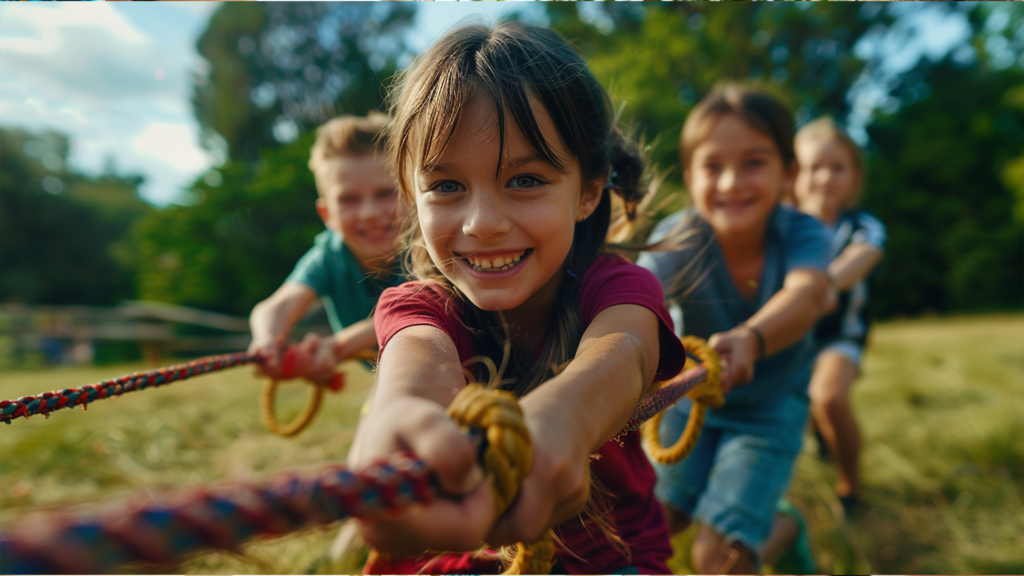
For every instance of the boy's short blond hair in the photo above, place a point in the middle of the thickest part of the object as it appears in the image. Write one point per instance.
(347, 136)
(825, 128)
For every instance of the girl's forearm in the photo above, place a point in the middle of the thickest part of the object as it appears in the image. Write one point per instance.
(854, 264)
(420, 361)
(591, 400)
(787, 316)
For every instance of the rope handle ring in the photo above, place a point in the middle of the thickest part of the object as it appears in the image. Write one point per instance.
(268, 396)
(709, 393)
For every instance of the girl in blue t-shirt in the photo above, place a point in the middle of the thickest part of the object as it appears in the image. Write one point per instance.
(827, 187)
(748, 275)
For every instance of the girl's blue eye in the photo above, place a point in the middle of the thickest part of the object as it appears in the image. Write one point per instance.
(524, 181)
(447, 187)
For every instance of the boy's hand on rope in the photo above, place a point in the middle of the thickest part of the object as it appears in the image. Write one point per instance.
(313, 359)
(270, 353)
(458, 522)
(737, 349)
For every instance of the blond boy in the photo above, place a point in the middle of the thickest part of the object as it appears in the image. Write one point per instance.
(349, 264)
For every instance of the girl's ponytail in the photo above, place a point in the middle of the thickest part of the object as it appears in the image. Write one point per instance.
(626, 172)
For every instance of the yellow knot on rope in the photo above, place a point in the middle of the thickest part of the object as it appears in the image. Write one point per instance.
(268, 398)
(706, 394)
(507, 459)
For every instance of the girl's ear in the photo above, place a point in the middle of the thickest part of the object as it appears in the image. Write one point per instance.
(590, 198)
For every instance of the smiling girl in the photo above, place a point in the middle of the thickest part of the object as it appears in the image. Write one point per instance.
(749, 275)
(827, 187)
(507, 157)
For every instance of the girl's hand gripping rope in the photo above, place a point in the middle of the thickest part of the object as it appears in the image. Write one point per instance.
(458, 522)
(475, 497)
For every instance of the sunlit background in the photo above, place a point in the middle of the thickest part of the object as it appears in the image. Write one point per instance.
(154, 186)
(158, 151)
(117, 78)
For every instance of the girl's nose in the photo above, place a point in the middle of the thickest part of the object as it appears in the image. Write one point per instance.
(485, 216)
(728, 180)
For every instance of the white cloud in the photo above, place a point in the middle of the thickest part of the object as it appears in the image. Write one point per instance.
(39, 29)
(173, 144)
(115, 78)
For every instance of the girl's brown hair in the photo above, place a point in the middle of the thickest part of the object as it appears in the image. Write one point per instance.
(514, 64)
(761, 111)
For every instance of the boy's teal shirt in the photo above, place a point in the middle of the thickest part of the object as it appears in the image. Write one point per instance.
(333, 272)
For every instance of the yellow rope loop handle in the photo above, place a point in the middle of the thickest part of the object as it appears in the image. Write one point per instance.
(706, 394)
(267, 401)
(268, 398)
(509, 453)
(508, 458)
(535, 558)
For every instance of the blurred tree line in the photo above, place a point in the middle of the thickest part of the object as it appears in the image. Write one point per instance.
(65, 238)
(944, 145)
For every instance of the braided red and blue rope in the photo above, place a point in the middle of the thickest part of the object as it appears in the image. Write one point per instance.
(670, 393)
(70, 397)
(161, 533)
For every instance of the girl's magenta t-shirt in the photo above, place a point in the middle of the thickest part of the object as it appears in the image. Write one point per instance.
(620, 464)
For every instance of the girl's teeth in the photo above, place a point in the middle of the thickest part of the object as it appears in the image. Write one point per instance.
(500, 263)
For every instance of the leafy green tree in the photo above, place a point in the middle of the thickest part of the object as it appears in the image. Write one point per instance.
(65, 237)
(941, 176)
(658, 60)
(241, 237)
(279, 69)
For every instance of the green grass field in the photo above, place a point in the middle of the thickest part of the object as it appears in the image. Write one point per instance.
(941, 404)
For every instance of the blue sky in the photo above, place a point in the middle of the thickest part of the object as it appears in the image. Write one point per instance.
(117, 77)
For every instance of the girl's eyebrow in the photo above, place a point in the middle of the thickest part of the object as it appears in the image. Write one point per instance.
(512, 162)
(526, 159)
(761, 150)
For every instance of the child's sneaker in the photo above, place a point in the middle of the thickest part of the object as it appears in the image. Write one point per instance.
(795, 558)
